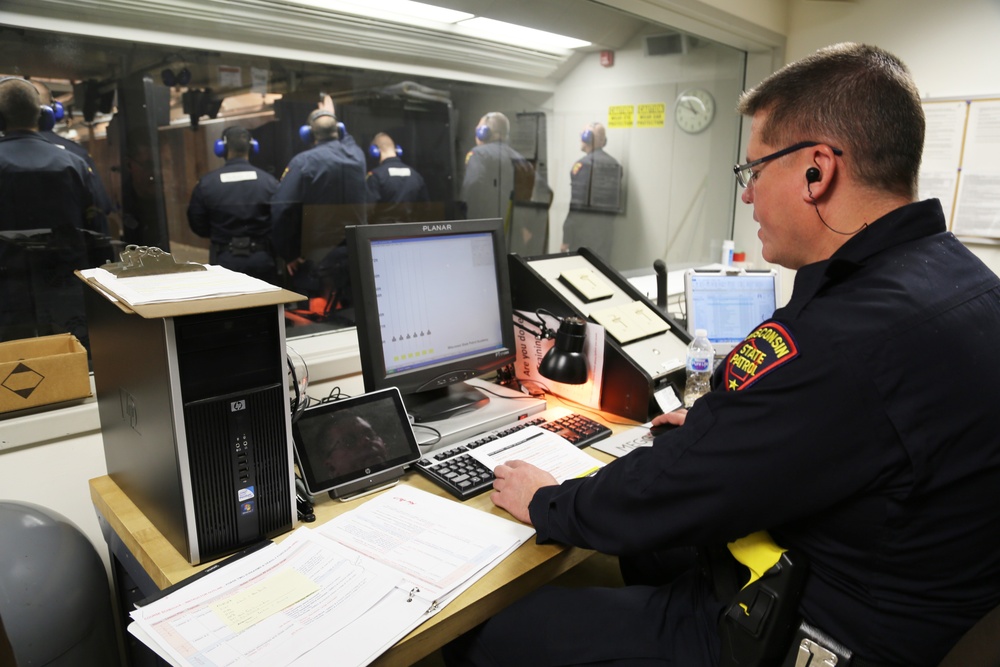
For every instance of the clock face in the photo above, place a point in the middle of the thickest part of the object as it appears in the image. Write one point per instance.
(694, 110)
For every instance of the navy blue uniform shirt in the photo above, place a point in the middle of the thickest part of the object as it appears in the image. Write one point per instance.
(393, 189)
(858, 427)
(321, 192)
(233, 200)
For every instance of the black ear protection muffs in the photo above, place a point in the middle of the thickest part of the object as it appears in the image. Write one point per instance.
(220, 144)
(813, 175)
(306, 133)
(181, 78)
(46, 115)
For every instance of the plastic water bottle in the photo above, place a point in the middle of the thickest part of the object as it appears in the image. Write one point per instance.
(700, 357)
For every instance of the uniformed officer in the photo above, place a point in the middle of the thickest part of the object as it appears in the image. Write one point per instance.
(595, 195)
(845, 425)
(321, 192)
(495, 173)
(45, 97)
(396, 192)
(48, 219)
(232, 206)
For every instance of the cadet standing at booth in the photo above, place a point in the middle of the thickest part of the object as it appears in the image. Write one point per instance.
(321, 192)
(396, 192)
(232, 206)
(595, 196)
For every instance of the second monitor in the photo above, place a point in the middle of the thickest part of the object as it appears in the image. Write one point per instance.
(433, 310)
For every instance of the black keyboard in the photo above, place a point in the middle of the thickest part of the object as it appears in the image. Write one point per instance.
(455, 470)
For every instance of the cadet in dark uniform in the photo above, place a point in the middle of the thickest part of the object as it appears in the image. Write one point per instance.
(495, 173)
(232, 207)
(47, 211)
(595, 195)
(321, 192)
(396, 192)
(856, 426)
(45, 97)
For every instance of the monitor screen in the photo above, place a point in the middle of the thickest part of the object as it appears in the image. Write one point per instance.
(433, 309)
(728, 304)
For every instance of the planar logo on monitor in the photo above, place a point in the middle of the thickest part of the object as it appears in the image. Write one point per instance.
(436, 228)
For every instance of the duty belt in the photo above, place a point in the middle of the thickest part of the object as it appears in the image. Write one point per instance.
(761, 626)
(243, 246)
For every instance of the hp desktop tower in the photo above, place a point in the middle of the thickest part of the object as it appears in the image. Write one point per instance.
(194, 415)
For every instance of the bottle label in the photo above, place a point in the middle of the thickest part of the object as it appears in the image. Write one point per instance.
(699, 364)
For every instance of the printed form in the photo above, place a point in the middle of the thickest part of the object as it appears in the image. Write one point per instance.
(544, 449)
(350, 589)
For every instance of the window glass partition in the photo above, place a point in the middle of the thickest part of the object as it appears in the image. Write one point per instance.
(624, 146)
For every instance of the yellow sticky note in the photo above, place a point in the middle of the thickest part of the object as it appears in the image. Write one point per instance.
(265, 599)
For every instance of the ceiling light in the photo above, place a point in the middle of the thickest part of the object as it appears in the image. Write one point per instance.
(509, 33)
(388, 8)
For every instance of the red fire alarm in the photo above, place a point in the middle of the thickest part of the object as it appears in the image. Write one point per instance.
(607, 58)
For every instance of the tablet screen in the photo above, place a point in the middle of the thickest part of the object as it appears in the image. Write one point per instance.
(348, 442)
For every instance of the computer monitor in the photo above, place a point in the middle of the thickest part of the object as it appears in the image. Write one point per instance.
(433, 309)
(728, 303)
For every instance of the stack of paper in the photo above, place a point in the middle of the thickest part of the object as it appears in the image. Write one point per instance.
(213, 281)
(342, 594)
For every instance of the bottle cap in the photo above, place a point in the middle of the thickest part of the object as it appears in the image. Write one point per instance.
(701, 333)
(739, 257)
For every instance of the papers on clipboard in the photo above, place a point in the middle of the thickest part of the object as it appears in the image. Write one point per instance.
(544, 449)
(350, 589)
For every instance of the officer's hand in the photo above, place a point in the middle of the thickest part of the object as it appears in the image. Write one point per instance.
(294, 265)
(675, 418)
(515, 486)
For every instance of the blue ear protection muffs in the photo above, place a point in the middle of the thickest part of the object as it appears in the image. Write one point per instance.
(483, 133)
(46, 115)
(220, 144)
(182, 78)
(58, 111)
(587, 136)
(306, 133)
(376, 153)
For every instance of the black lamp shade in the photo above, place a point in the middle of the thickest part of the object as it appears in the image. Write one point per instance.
(565, 362)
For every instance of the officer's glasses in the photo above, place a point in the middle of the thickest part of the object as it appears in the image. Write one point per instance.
(745, 175)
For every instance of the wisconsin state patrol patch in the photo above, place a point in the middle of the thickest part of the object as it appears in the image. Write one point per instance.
(766, 348)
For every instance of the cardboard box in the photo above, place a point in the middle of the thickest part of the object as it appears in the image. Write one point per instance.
(39, 371)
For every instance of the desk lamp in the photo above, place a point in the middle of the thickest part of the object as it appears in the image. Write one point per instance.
(565, 361)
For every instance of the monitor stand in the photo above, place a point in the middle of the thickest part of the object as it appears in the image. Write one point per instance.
(450, 401)
(505, 406)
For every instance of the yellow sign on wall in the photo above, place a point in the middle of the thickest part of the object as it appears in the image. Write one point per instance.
(621, 116)
(652, 115)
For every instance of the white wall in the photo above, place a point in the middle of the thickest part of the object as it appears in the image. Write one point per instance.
(676, 206)
(950, 47)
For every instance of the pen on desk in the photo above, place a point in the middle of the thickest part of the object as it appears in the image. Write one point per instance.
(588, 473)
(517, 444)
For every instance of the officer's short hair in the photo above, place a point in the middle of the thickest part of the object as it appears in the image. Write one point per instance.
(323, 124)
(19, 103)
(499, 125)
(237, 140)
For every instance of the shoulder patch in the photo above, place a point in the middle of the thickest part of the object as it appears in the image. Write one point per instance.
(767, 347)
(468, 156)
(576, 168)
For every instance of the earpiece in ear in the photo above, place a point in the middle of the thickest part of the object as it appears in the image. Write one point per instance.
(813, 175)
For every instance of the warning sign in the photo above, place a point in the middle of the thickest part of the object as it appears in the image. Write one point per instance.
(652, 115)
(621, 116)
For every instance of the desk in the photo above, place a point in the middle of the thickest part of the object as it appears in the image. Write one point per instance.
(153, 563)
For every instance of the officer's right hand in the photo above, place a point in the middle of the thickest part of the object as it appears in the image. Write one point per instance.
(294, 265)
(675, 418)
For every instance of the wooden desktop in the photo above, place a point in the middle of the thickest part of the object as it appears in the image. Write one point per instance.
(136, 544)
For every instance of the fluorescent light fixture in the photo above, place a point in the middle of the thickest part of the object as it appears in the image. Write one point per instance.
(509, 33)
(386, 8)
